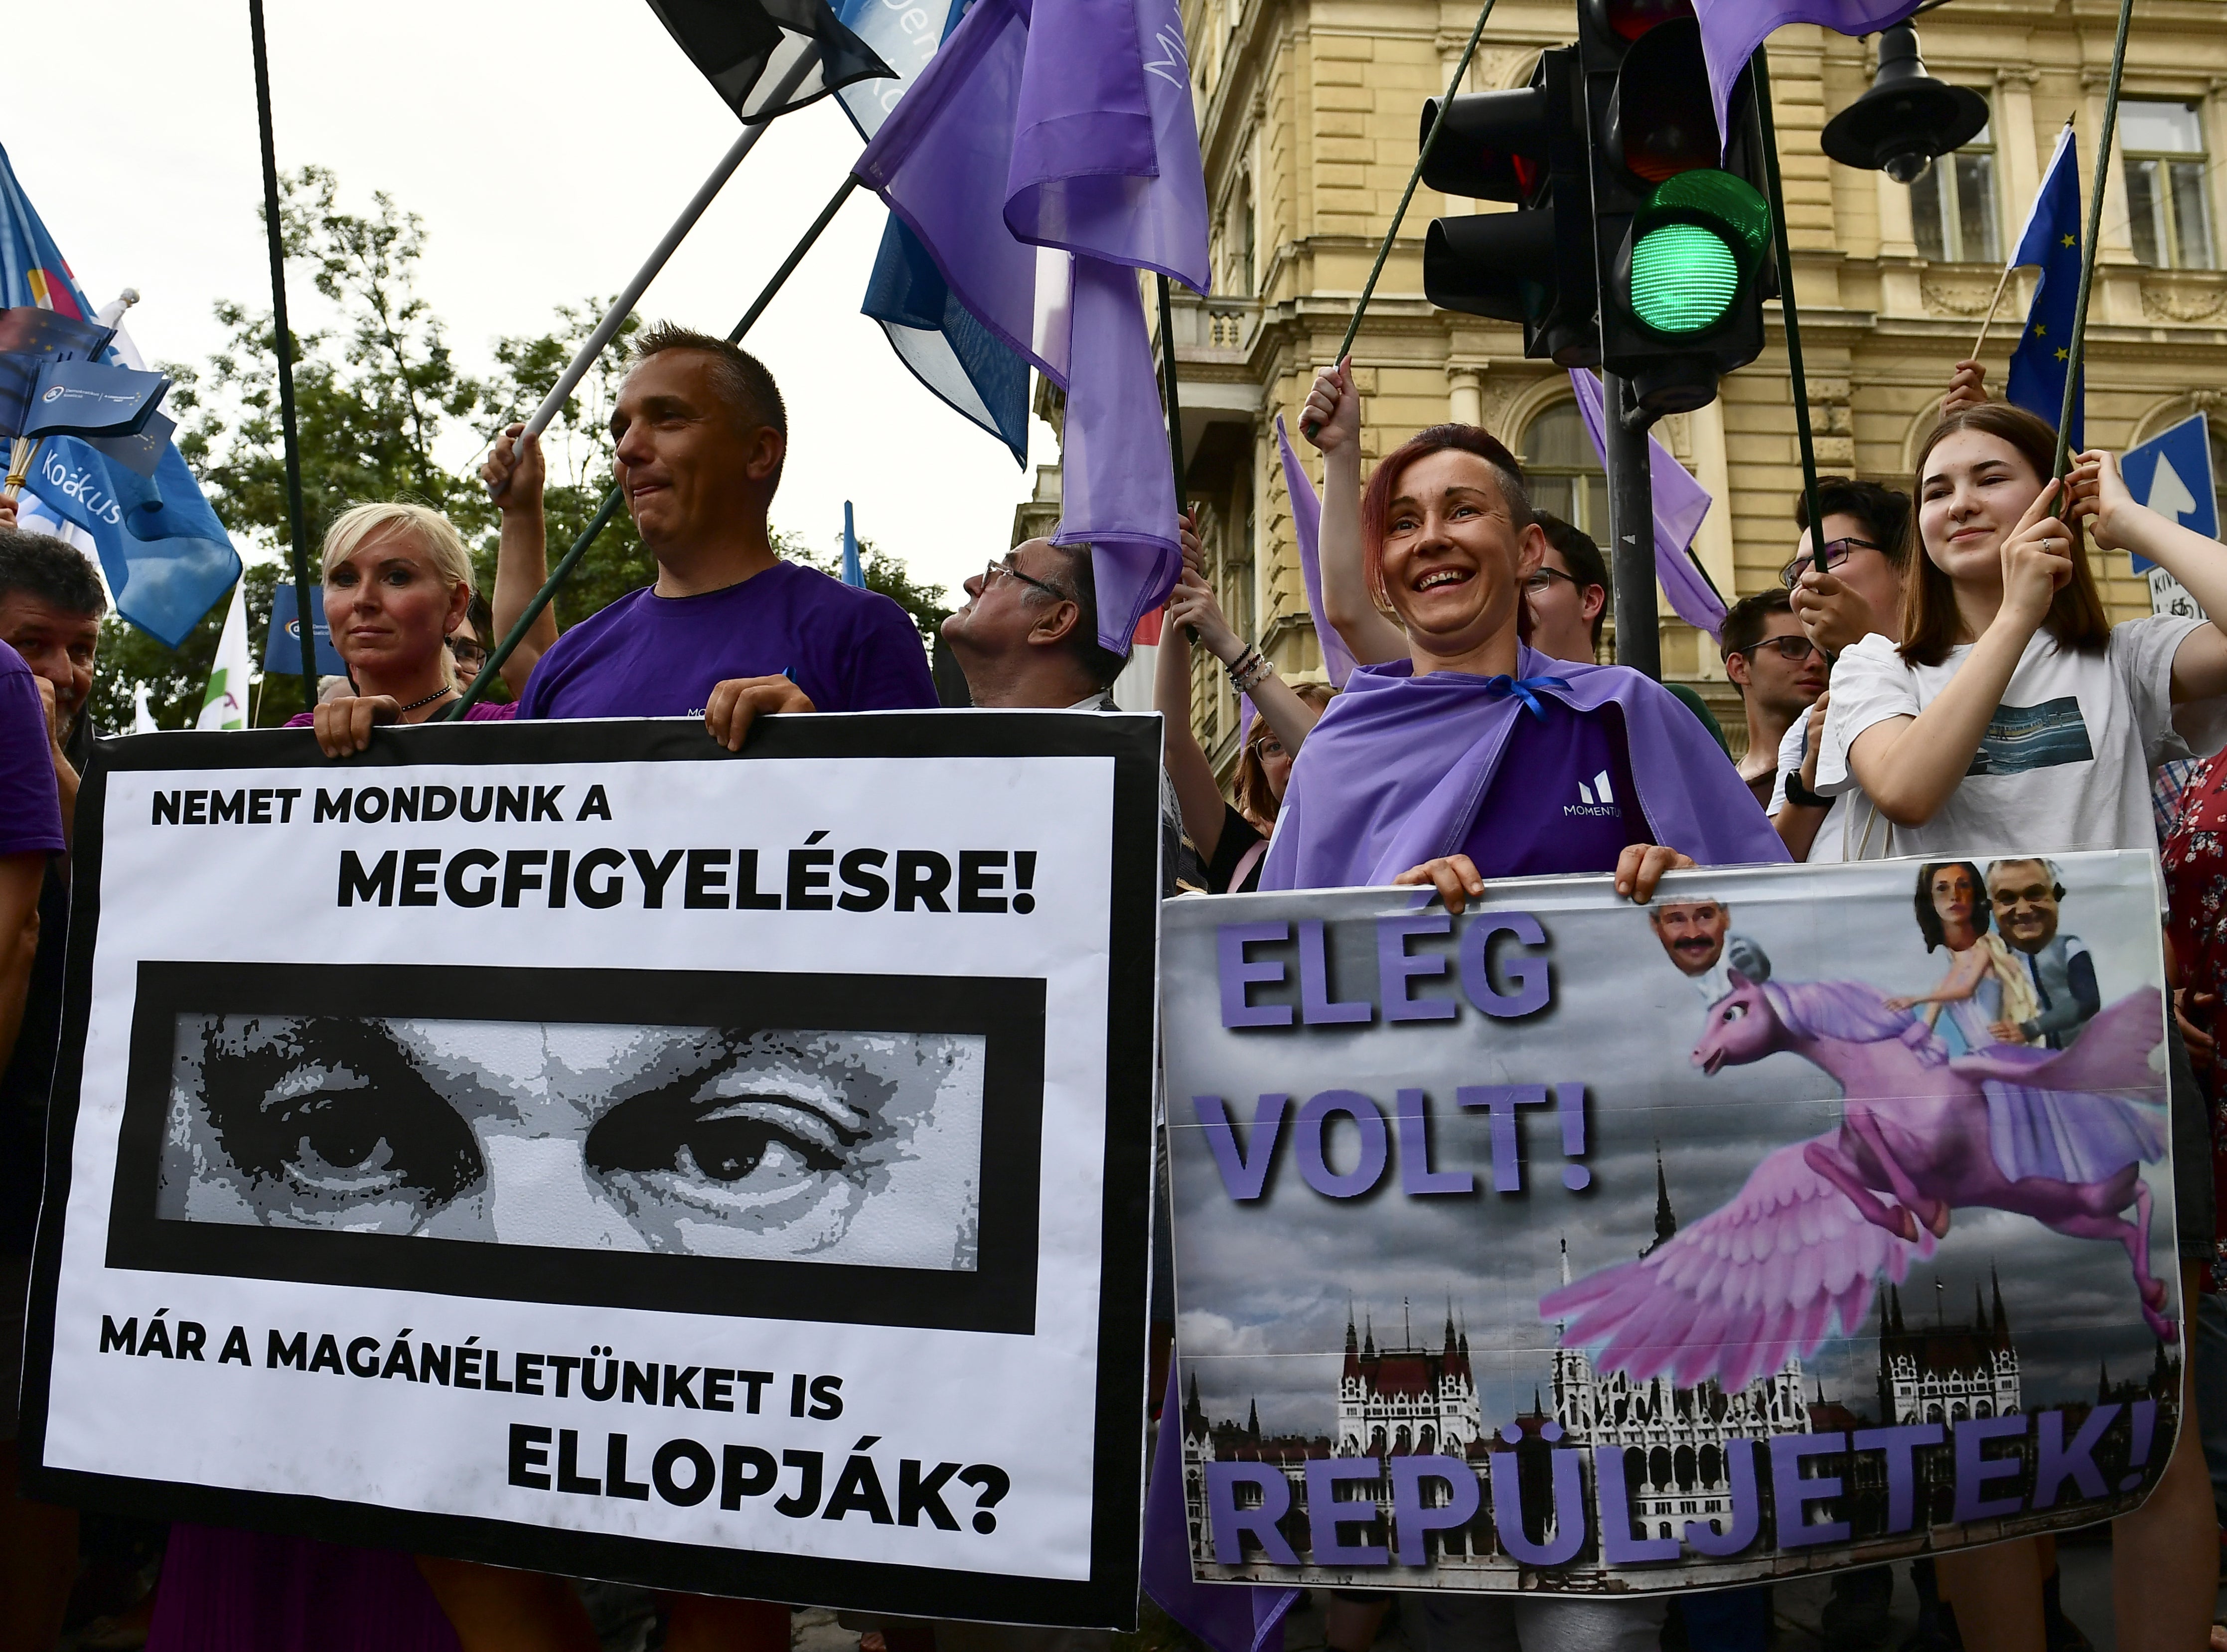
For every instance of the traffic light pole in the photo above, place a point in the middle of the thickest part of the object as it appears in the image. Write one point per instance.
(1632, 530)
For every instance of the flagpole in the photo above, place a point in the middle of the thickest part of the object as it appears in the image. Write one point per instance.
(1988, 320)
(1175, 410)
(622, 306)
(1175, 401)
(1400, 212)
(2079, 346)
(295, 515)
(1789, 312)
(602, 518)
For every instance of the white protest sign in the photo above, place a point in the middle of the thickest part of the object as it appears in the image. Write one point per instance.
(570, 1146)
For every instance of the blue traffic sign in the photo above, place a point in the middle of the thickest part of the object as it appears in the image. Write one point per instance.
(2171, 473)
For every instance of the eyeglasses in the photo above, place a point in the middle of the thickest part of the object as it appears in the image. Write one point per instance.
(2034, 895)
(467, 652)
(1836, 552)
(1541, 578)
(1793, 650)
(1002, 568)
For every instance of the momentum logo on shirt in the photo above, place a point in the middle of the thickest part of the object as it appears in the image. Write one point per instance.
(2020, 738)
(1595, 800)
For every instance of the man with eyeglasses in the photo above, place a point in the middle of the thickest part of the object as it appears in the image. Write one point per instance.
(1567, 596)
(2024, 895)
(1778, 672)
(1028, 639)
(1858, 592)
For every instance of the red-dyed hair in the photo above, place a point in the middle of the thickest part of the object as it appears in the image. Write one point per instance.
(1376, 499)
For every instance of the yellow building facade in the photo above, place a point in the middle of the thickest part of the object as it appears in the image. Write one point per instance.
(1309, 114)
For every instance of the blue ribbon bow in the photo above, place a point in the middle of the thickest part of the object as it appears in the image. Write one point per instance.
(1523, 687)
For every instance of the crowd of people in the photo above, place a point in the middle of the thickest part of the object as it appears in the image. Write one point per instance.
(1881, 682)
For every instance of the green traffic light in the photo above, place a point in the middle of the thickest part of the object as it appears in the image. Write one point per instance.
(1700, 236)
(1683, 278)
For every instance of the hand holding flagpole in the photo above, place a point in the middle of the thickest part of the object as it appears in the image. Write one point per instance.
(622, 306)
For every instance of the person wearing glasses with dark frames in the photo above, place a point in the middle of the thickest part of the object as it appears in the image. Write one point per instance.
(1867, 552)
(1778, 672)
(1028, 639)
(1565, 600)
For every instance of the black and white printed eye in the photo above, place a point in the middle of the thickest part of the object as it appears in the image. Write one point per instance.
(324, 1118)
(743, 1143)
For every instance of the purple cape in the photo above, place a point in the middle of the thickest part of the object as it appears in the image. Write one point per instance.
(1395, 773)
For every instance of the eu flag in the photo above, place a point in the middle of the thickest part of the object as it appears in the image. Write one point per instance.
(167, 559)
(2052, 241)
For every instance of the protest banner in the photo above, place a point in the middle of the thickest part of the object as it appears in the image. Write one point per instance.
(571, 1145)
(1807, 1218)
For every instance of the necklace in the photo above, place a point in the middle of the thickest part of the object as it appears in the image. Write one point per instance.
(428, 700)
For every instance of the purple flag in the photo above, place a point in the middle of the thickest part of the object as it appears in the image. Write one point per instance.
(1681, 502)
(1227, 1617)
(1042, 166)
(1732, 30)
(1306, 523)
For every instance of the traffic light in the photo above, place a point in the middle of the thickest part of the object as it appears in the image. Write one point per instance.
(1535, 265)
(1682, 239)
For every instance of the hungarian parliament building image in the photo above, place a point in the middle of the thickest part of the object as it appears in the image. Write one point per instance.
(1420, 1399)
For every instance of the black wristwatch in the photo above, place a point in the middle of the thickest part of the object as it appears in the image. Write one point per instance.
(1797, 793)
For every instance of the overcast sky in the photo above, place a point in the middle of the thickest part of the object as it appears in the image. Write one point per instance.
(547, 147)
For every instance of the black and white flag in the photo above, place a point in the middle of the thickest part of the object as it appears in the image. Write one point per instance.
(747, 48)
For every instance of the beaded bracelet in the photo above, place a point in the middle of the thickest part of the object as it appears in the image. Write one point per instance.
(1248, 670)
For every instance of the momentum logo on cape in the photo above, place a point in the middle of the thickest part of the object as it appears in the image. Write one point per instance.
(1595, 800)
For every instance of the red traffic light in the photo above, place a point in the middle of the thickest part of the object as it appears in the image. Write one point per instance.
(1662, 122)
(1630, 19)
(1493, 144)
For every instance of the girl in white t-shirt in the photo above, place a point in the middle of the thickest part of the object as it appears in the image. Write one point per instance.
(2015, 719)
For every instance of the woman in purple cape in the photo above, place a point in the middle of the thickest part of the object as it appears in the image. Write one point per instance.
(1472, 756)
(1465, 756)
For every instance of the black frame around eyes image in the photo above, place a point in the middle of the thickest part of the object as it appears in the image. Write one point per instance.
(335, 1124)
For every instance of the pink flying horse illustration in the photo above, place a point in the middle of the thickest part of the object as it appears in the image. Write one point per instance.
(2060, 1136)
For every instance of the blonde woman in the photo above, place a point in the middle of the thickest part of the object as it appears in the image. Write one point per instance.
(398, 582)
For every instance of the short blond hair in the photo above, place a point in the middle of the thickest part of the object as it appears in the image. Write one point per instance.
(360, 523)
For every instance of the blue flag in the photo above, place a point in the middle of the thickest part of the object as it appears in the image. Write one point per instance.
(47, 335)
(167, 559)
(2052, 241)
(964, 364)
(282, 647)
(68, 397)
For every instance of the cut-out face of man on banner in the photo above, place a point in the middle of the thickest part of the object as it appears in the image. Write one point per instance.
(1696, 936)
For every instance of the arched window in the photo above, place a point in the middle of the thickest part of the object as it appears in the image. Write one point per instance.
(1564, 471)
(1684, 1461)
(1658, 1467)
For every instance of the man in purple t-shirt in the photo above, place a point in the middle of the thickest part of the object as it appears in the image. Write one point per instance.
(729, 631)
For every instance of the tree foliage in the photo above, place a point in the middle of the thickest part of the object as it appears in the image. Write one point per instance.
(379, 398)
